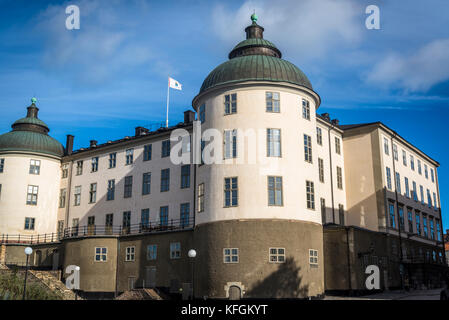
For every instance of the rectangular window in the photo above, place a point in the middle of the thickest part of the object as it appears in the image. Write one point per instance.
(401, 218)
(305, 109)
(395, 152)
(230, 103)
(91, 225)
(101, 254)
(273, 102)
(185, 176)
(307, 148)
(310, 195)
(437, 223)
(412, 163)
(313, 257)
(35, 166)
(77, 195)
(429, 199)
(65, 171)
(341, 214)
(419, 167)
(275, 191)
(432, 175)
(392, 215)
(398, 182)
(93, 193)
(109, 220)
(201, 197)
(230, 192)
(129, 154)
(404, 158)
(276, 255)
(29, 223)
(152, 252)
(426, 172)
(407, 187)
(410, 220)
(339, 178)
(388, 178)
(230, 144)
(75, 226)
(323, 210)
(146, 183)
(432, 231)
(185, 214)
(94, 164)
(165, 149)
(435, 201)
(163, 216)
(145, 218)
(424, 222)
(386, 148)
(202, 113)
(126, 222)
(165, 180)
(321, 169)
(62, 197)
(231, 255)
(421, 189)
(319, 136)
(337, 145)
(130, 254)
(273, 142)
(175, 250)
(111, 190)
(128, 191)
(112, 160)
(60, 229)
(2, 165)
(79, 168)
(415, 193)
(418, 223)
(147, 152)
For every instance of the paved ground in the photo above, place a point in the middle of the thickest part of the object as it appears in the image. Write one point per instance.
(395, 295)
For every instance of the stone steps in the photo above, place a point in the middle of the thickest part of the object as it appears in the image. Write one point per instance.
(54, 284)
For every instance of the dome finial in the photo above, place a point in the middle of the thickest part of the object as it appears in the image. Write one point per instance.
(254, 17)
(33, 100)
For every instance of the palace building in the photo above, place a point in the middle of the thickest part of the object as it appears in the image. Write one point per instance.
(321, 203)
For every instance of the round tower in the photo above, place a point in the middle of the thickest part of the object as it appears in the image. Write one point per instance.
(256, 234)
(30, 165)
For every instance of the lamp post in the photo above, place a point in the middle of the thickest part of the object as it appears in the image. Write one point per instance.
(192, 255)
(28, 252)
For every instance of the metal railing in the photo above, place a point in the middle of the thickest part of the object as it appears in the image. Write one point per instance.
(101, 230)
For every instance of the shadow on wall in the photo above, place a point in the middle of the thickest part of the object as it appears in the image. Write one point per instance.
(285, 282)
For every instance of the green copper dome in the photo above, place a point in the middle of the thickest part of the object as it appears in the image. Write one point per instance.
(255, 59)
(30, 134)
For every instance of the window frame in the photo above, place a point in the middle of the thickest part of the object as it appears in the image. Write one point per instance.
(231, 255)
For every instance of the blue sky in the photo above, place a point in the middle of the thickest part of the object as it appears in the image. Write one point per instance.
(110, 76)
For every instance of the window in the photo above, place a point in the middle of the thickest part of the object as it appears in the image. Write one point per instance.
(273, 104)
(410, 220)
(147, 152)
(77, 195)
(202, 113)
(163, 216)
(175, 250)
(230, 192)
(424, 222)
(275, 191)
(307, 148)
(129, 154)
(341, 214)
(230, 103)
(112, 160)
(319, 136)
(277, 255)
(273, 142)
(185, 214)
(429, 199)
(35, 166)
(432, 232)
(152, 252)
(185, 176)
(435, 201)
(418, 223)
(29, 223)
(62, 197)
(407, 187)
(145, 218)
(32, 195)
(94, 164)
(388, 178)
(60, 228)
(126, 222)
(101, 254)
(93, 193)
(109, 220)
(111, 190)
(395, 152)
(75, 225)
(419, 166)
(2, 165)
(146, 183)
(437, 222)
(386, 148)
(230, 144)
(0, 191)
(79, 168)
(130, 254)
(321, 169)
(432, 175)
(165, 180)
(392, 215)
(91, 224)
(412, 163)
(404, 158)
(128, 191)
(165, 149)
(65, 171)
(305, 109)
(310, 195)
(313, 257)
(415, 193)
(401, 218)
(201, 197)
(421, 189)
(231, 255)
(426, 172)
(337, 145)
(323, 210)
(339, 178)
(398, 182)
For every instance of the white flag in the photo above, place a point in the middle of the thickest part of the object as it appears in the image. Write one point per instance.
(172, 83)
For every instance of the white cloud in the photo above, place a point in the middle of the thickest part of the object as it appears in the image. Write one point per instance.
(415, 72)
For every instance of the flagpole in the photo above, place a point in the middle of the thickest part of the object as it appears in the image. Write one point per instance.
(168, 100)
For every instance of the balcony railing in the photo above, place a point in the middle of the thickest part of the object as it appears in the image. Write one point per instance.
(101, 230)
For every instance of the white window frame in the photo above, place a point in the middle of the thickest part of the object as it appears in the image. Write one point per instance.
(278, 256)
(103, 255)
(313, 257)
(231, 254)
(175, 250)
(153, 251)
(130, 254)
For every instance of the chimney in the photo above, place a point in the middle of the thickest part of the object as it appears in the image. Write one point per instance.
(93, 143)
(326, 116)
(189, 116)
(69, 144)
(141, 131)
(335, 122)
